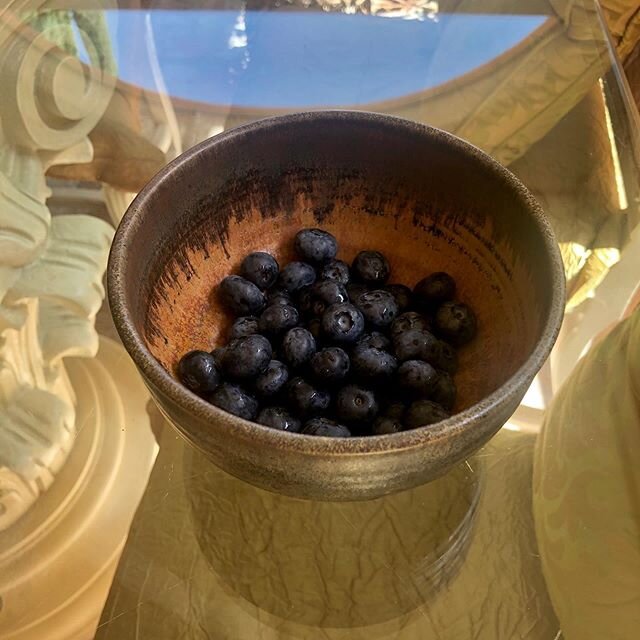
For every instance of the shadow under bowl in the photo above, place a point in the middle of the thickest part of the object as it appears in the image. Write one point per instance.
(426, 199)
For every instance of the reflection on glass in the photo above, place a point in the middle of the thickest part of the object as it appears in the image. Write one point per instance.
(333, 564)
(301, 60)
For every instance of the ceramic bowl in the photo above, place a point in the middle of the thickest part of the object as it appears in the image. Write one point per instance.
(426, 199)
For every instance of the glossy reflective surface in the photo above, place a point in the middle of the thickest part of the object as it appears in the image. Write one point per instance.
(536, 536)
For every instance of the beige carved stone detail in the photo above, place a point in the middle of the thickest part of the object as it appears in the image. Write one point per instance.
(50, 269)
(58, 561)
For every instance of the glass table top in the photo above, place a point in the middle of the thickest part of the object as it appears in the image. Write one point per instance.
(113, 527)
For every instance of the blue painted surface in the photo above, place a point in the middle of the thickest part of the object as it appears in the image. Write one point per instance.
(285, 59)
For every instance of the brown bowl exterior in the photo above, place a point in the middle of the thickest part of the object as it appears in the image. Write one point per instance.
(426, 199)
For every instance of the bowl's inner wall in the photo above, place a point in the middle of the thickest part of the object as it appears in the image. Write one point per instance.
(426, 205)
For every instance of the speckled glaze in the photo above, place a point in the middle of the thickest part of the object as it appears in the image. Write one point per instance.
(426, 199)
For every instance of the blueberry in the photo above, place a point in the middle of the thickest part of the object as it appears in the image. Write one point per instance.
(376, 340)
(433, 352)
(296, 275)
(356, 405)
(336, 270)
(355, 290)
(236, 400)
(316, 246)
(260, 268)
(325, 427)
(402, 296)
(305, 302)
(424, 412)
(330, 366)
(272, 379)
(278, 296)
(416, 345)
(394, 410)
(324, 293)
(378, 307)
(455, 322)
(298, 345)
(446, 357)
(279, 418)
(371, 267)
(372, 366)
(384, 425)
(198, 372)
(416, 378)
(218, 356)
(342, 323)
(315, 329)
(241, 296)
(407, 321)
(243, 326)
(276, 319)
(305, 399)
(444, 392)
(247, 357)
(434, 290)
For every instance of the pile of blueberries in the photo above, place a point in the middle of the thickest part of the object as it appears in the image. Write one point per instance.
(325, 349)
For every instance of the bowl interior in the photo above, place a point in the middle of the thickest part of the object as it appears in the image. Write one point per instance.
(426, 200)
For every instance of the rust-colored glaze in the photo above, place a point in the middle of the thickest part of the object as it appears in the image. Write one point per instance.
(423, 197)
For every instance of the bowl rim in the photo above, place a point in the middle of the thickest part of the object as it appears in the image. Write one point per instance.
(458, 423)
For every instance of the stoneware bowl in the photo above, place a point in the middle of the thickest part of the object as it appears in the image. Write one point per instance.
(426, 199)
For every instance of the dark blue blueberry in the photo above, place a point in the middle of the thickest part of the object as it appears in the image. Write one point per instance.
(306, 400)
(316, 246)
(198, 372)
(356, 405)
(384, 425)
(296, 276)
(434, 290)
(330, 366)
(243, 326)
(456, 323)
(416, 345)
(416, 378)
(342, 323)
(372, 366)
(276, 319)
(315, 328)
(325, 427)
(355, 290)
(279, 418)
(444, 392)
(278, 296)
(402, 296)
(407, 321)
(395, 410)
(234, 399)
(371, 267)
(324, 293)
(241, 296)
(304, 302)
(378, 307)
(446, 357)
(336, 270)
(260, 268)
(272, 379)
(376, 340)
(247, 357)
(424, 412)
(298, 345)
(218, 356)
